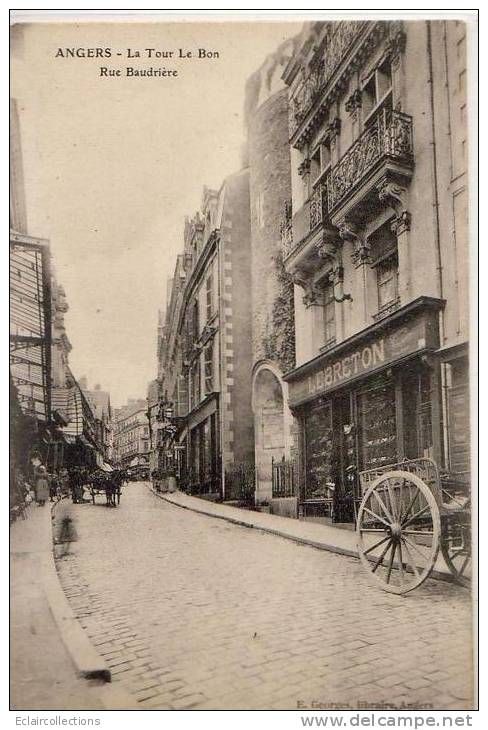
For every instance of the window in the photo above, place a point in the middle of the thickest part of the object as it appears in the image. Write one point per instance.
(209, 296)
(329, 314)
(195, 323)
(315, 165)
(208, 365)
(387, 281)
(195, 383)
(325, 155)
(377, 91)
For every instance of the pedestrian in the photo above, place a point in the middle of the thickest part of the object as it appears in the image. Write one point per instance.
(54, 488)
(41, 486)
(64, 482)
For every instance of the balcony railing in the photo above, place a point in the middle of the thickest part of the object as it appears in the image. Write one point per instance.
(341, 37)
(388, 137)
(312, 214)
(318, 206)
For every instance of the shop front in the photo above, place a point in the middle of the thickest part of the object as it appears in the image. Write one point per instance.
(371, 401)
(202, 473)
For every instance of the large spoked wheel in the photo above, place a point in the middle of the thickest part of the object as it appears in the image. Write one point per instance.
(398, 531)
(456, 550)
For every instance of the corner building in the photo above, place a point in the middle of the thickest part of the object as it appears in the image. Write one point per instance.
(376, 240)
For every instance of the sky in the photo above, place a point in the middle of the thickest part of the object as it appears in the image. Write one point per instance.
(113, 164)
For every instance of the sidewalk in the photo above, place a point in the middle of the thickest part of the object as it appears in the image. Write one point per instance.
(42, 673)
(323, 537)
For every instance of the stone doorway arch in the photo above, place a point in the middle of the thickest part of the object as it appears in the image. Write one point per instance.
(271, 438)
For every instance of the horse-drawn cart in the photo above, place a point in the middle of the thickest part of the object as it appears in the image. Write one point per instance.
(108, 484)
(408, 512)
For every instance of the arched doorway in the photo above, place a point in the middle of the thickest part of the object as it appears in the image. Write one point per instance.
(269, 427)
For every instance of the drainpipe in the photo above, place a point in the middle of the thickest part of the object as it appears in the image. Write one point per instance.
(437, 237)
(220, 274)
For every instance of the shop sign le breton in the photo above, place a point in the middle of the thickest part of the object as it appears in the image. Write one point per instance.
(330, 372)
(367, 358)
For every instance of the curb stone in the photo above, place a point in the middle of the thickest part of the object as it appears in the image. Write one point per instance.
(435, 574)
(88, 662)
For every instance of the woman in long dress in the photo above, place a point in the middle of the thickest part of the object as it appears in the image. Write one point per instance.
(41, 486)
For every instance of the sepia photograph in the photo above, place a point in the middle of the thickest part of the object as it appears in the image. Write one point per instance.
(242, 293)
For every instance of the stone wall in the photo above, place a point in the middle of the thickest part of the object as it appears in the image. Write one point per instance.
(270, 187)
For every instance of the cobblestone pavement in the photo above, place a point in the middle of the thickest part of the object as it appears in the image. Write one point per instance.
(192, 612)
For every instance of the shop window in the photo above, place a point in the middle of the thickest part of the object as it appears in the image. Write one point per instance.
(377, 91)
(424, 416)
(319, 478)
(377, 426)
(459, 421)
(329, 315)
(208, 367)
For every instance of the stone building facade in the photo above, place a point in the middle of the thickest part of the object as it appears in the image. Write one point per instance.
(204, 350)
(131, 442)
(377, 244)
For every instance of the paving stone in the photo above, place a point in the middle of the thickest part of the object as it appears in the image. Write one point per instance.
(185, 623)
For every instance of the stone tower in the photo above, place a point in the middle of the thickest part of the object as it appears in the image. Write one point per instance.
(273, 342)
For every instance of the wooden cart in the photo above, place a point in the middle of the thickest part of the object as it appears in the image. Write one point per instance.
(406, 514)
(108, 485)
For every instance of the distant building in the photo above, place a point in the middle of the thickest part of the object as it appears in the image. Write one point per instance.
(99, 401)
(131, 443)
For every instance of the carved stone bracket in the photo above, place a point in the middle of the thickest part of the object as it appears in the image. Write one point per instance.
(393, 195)
(354, 103)
(337, 275)
(311, 295)
(401, 223)
(328, 250)
(396, 44)
(304, 167)
(348, 231)
(334, 130)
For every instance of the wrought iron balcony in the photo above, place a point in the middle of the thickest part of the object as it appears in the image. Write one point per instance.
(389, 137)
(386, 145)
(340, 37)
(318, 205)
(309, 217)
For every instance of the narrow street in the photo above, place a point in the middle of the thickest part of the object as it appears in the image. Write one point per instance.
(193, 612)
